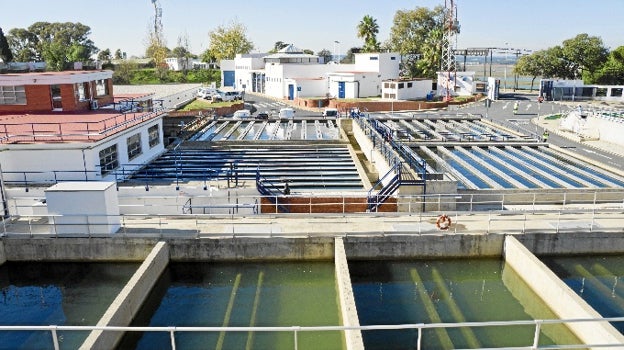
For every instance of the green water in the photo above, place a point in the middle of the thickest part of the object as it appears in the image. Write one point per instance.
(64, 294)
(242, 294)
(449, 291)
(599, 280)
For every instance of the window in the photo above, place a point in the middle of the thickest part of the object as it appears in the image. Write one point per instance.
(153, 135)
(12, 95)
(134, 146)
(601, 92)
(409, 85)
(616, 92)
(392, 58)
(374, 58)
(401, 85)
(80, 91)
(108, 159)
(101, 88)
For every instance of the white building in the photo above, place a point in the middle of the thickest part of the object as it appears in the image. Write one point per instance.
(291, 73)
(456, 84)
(52, 129)
(571, 90)
(409, 89)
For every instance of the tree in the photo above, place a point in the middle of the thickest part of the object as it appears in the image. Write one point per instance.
(104, 55)
(349, 58)
(612, 72)
(417, 34)
(325, 54)
(24, 44)
(5, 50)
(531, 65)
(118, 54)
(227, 42)
(181, 52)
(584, 54)
(278, 46)
(368, 30)
(56, 43)
(123, 72)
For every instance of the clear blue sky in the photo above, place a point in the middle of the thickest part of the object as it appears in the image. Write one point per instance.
(315, 25)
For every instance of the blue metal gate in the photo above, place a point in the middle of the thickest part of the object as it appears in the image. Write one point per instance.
(291, 91)
(341, 89)
(228, 78)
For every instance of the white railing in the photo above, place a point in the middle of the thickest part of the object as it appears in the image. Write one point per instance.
(317, 224)
(532, 344)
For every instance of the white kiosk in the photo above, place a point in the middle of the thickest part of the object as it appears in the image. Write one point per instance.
(83, 208)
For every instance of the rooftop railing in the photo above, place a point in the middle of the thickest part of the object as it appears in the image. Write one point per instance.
(72, 130)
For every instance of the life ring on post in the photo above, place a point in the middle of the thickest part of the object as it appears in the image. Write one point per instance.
(443, 223)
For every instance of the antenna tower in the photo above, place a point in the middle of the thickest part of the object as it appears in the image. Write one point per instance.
(158, 27)
(451, 29)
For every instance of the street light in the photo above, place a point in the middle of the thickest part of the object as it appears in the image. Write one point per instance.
(336, 53)
(505, 64)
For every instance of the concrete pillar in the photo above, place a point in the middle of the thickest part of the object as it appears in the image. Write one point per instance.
(562, 300)
(124, 308)
(348, 309)
(2, 254)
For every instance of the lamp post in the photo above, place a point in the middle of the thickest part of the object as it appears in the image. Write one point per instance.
(505, 64)
(336, 53)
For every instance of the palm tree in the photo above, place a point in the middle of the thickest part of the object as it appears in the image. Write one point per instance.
(368, 30)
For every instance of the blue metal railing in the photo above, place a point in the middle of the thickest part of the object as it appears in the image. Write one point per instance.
(271, 192)
(374, 201)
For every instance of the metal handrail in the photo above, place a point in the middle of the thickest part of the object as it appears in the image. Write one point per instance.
(532, 344)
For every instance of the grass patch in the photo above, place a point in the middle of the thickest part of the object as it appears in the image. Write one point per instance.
(553, 117)
(204, 104)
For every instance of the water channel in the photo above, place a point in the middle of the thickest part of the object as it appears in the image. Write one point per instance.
(241, 294)
(64, 294)
(449, 291)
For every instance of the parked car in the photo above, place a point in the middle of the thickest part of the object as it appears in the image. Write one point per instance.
(262, 115)
(242, 114)
(227, 95)
(206, 92)
(286, 113)
(330, 112)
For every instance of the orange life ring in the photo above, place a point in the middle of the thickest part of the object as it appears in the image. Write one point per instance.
(443, 222)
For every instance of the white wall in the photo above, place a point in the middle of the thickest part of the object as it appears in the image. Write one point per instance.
(411, 90)
(463, 82)
(385, 63)
(70, 160)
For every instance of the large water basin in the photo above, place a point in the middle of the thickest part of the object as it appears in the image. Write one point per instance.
(599, 280)
(64, 294)
(242, 294)
(449, 291)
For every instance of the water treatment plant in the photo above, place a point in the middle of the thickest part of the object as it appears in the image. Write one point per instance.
(438, 229)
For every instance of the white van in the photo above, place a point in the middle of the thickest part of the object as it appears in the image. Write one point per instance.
(242, 114)
(286, 113)
(206, 93)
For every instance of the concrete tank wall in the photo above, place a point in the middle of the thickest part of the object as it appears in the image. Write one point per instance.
(125, 307)
(348, 307)
(2, 254)
(560, 298)
(77, 249)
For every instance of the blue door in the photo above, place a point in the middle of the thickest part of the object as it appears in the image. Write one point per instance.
(341, 89)
(291, 91)
(228, 78)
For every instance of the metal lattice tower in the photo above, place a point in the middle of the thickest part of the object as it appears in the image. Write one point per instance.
(451, 29)
(158, 27)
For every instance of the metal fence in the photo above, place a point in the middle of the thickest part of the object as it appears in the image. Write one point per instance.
(531, 344)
